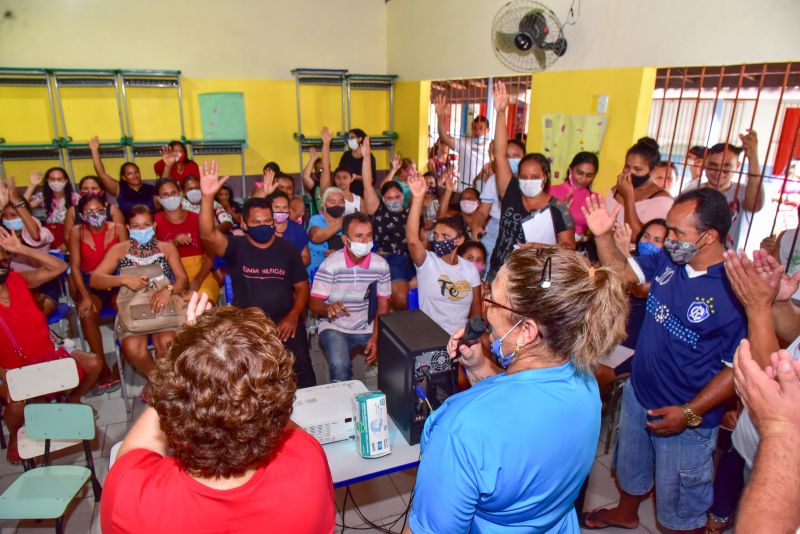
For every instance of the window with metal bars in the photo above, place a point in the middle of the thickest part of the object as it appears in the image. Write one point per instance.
(702, 106)
(468, 99)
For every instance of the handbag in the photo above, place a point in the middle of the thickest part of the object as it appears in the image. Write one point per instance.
(135, 316)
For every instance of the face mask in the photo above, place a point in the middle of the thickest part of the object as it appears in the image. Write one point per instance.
(15, 225)
(531, 188)
(142, 236)
(431, 191)
(170, 203)
(480, 266)
(639, 181)
(335, 211)
(680, 251)
(360, 249)
(280, 217)
(5, 270)
(96, 220)
(444, 247)
(394, 205)
(468, 206)
(352, 143)
(179, 157)
(497, 349)
(57, 187)
(480, 139)
(571, 181)
(647, 247)
(194, 196)
(261, 234)
(514, 164)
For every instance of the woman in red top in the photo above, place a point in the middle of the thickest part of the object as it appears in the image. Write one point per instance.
(215, 451)
(89, 241)
(24, 334)
(180, 226)
(174, 163)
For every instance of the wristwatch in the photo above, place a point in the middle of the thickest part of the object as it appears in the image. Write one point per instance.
(692, 420)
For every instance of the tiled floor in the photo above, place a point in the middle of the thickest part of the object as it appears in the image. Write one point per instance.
(380, 500)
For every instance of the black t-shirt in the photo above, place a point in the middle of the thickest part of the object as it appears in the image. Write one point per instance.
(128, 198)
(264, 278)
(353, 165)
(513, 213)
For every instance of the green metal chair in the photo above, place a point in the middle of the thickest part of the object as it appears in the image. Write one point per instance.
(46, 492)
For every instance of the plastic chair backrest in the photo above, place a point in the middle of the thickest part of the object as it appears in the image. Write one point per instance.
(413, 299)
(59, 421)
(42, 378)
(228, 290)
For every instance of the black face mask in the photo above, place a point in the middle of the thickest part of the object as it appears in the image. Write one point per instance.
(335, 211)
(639, 181)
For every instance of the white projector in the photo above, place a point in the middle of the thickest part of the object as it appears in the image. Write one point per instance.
(326, 412)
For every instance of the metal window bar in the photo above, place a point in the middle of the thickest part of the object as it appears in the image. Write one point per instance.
(711, 104)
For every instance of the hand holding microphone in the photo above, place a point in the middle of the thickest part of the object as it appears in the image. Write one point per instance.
(464, 343)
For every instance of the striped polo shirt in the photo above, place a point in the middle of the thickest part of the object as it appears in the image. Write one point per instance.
(340, 279)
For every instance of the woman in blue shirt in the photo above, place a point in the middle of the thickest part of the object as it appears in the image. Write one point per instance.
(510, 454)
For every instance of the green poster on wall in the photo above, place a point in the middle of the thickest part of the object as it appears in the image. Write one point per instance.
(566, 135)
(222, 116)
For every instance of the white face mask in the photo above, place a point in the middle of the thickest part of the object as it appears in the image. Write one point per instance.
(468, 206)
(170, 203)
(194, 196)
(352, 143)
(57, 187)
(360, 249)
(531, 188)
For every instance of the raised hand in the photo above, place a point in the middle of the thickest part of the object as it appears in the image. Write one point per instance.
(270, 184)
(500, 96)
(754, 291)
(168, 155)
(210, 182)
(441, 105)
(396, 162)
(750, 144)
(312, 153)
(5, 194)
(599, 220)
(450, 179)
(622, 237)
(418, 185)
(765, 265)
(366, 148)
(13, 193)
(326, 135)
(36, 178)
(198, 304)
(94, 144)
(9, 241)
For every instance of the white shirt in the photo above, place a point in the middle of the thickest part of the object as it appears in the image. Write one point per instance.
(445, 291)
(745, 436)
(352, 207)
(489, 194)
(741, 219)
(472, 156)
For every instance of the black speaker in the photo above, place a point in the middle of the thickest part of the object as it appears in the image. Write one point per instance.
(412, 351)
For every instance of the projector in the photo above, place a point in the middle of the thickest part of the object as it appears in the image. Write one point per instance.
(326, 412)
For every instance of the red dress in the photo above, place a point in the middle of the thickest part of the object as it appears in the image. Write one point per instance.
(292, 493)
(189, 168)
(28, 326)
(167, 231)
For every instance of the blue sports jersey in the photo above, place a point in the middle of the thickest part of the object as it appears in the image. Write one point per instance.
(691, 329)
(508, 455)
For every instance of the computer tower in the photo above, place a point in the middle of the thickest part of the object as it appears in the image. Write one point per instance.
(412, 351)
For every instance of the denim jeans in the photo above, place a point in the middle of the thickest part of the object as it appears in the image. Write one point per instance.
(680, 466)
(337, 346)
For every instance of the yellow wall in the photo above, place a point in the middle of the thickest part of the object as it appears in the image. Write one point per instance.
(629, 97)
(412, 102)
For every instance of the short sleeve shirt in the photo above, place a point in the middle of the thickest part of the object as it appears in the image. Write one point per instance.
(128, 197)
(692, 326)
(318, 250)
(485, 465)
(473, 154)
(445, 291)
(489, 194)
(291, 492)
(339, 279)
(295, 235)
(264, 278)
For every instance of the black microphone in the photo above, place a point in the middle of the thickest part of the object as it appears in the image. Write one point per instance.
(472, 333)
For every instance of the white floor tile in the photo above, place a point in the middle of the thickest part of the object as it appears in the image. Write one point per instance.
(377, 499)
(602, 490)
(114, 433)
(110, 411)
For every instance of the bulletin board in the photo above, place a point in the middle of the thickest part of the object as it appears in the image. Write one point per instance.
(566, 135)
(223, 116)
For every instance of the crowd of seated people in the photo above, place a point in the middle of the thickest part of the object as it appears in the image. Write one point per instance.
(562, 274)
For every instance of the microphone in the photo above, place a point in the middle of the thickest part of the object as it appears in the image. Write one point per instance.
(472, 333)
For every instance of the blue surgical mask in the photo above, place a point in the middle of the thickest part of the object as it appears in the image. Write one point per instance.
(504, 360)
(514, 164)
(647, 247)
(15, 225)
(261, 234)
(142, 236)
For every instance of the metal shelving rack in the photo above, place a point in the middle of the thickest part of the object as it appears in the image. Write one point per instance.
(42, 150)
(374, 82)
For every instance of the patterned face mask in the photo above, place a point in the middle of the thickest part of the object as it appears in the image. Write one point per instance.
(394, 205)
(444, 247)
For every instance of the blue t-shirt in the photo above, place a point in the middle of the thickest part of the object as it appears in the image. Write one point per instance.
(508, 455)
(318, 250)
(295, 235)
(691, 329)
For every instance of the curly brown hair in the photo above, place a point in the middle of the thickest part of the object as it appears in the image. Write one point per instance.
(224, 392)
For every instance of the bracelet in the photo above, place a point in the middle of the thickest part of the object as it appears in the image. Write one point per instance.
(21, 203)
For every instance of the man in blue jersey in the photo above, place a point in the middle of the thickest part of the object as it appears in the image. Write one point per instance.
(682, 375)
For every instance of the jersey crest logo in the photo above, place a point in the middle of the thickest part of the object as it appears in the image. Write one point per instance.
(700, 310)
(665, 277)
